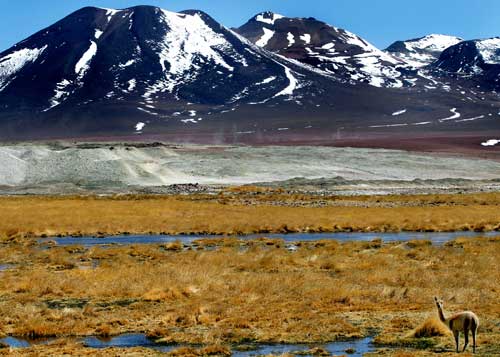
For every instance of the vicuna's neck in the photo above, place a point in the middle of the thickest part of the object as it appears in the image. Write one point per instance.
(441, 314)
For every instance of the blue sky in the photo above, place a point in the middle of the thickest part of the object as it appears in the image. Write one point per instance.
(379, 21)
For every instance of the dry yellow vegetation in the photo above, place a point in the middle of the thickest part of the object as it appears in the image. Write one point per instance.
(230, 292)
(245, 212)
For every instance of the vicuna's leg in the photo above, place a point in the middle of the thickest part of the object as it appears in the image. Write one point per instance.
(457, 335)
(466, 333)
(474, 331)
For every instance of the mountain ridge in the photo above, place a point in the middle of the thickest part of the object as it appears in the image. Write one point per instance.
(147, 72)
(423, 50)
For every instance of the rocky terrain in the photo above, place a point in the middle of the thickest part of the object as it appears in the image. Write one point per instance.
(157, 168)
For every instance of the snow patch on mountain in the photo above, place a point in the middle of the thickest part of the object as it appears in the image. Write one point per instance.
(399, 112)
(239, 96)
(311, 52)
(491, 142)
(139, 126)
(83, 64)
(268, 18)
(389, 125)
(423, 51)
(60, 95)
(471, 119)
(131, 85)
(455, 115)
(193, 121)
(266, 81)
(15, 61)
(263, 41)
(328, 46)
(98, 33)
(357, 41)
(433, 42)
(372, 65)
(291, 39)
(490, 50)
(306, 38)
(127, 64)
(292, 86)
(189, 39)
(375, 66)
(378, 73)
(110, 13)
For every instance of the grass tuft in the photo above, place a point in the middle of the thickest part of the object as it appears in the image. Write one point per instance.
(431, 327)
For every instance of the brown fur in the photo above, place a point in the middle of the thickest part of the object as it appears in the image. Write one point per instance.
(460, 322)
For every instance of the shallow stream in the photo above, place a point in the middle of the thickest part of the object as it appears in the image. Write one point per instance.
(436, 238)
(353, 347)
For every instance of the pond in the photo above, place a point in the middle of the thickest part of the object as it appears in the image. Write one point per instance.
(437, 238)
(20, 342)
(353, 347)
(4, 267)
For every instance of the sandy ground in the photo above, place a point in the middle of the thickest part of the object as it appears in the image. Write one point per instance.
(67, 168)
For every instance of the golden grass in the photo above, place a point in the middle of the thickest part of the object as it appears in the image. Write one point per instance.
(247, 291)
(262, 293)
(66, 348)
(213, 350)
(431, 327)
(231, 213)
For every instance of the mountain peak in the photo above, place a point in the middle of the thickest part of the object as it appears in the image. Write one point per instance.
(424, 50)
(333, 51)
(268, 17)
(489, 49)
(473, 57)
(435, 42)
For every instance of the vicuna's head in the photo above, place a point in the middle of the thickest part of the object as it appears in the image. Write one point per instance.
(439, 302)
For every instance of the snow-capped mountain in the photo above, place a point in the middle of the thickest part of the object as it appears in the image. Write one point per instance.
(150, 74)
(334, 51)
(477, 59)
(422, 51)
(99, 54)
(180, 67)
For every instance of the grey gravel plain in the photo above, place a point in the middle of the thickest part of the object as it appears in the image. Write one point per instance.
(110, 168)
